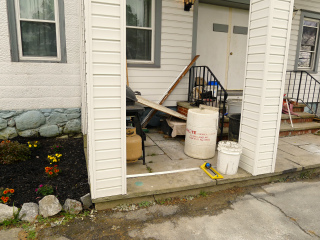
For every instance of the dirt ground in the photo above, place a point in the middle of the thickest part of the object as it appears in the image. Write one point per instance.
(25, 177)
(115, 224)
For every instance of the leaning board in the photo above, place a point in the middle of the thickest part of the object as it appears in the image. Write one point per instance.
(160, 108)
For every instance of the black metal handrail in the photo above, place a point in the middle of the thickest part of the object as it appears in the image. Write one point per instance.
(205, 88)
(303, 87)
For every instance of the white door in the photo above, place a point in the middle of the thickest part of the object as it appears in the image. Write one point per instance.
(221, 43)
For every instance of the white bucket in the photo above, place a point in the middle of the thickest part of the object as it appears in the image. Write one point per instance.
(228, 157)
(201, 132)
(234, 106)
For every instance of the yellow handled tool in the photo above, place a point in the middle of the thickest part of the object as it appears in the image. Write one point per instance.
(208, 169)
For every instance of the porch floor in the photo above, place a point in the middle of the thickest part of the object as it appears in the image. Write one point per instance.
(166, 154)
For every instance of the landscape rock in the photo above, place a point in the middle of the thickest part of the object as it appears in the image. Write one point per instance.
(3, 123)
(72, 206)
(56, 118)
(73, 116)
(8, 133)
(63, 137)
(29, 133)
(46, 110)
(86, 201)
(30, 120)
(29, 212)
(11, 234)
(49, 131)
(7, 114)
(72, 110)
(73, 126)
(7, 212)
(60, 110)
(11, 122)
(49, 206)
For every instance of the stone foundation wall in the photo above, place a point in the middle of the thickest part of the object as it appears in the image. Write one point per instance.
(42, 122)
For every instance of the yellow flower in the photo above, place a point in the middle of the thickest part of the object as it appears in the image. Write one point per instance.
(36, 141)
(35, 145)
(54, 160)
(30, 146)
(50, 163)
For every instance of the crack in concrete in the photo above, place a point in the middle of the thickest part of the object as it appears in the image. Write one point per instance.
(265, 191)
(295, 222)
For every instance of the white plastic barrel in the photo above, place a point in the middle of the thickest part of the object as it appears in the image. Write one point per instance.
(234, 106)
(201, 132)
(228, 157)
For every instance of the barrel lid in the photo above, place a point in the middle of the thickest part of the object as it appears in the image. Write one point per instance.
(229, 147)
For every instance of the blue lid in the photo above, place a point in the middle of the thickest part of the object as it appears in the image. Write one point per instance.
(213, 83)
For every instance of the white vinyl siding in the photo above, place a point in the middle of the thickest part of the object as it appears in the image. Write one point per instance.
(105, 51)
(312, 6)
(261, 114)
(36, 85)
(176, 47)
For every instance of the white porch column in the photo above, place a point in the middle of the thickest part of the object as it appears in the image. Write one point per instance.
(105, 42)
(267, 53)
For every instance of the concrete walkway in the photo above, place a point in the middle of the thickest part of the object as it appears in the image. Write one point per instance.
(295, 154)
(280, 211)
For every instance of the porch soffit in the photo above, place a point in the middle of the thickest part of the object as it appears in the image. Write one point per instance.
(242, 4)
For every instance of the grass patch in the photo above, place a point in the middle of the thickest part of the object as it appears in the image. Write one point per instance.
(203, 193)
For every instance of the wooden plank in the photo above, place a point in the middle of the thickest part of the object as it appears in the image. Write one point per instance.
(173, 86)
(159, 107)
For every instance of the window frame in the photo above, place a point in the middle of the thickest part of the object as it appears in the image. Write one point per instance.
(156, 39)
(13, 10)
(305, 15)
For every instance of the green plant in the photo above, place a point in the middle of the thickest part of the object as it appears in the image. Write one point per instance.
(30, 230)
(54, 158)
(13, 221)
(145, 204)
(149, 169)
(33, 144)
(52, 171)
(32, 234)
(5, 195)
(57, 148)
(11, 152)
(306, 174)
(44, 190)
(203, 193)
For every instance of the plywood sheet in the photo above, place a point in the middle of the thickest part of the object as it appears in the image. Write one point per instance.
(161, 108)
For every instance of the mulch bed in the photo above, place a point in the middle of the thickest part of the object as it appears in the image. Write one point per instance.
(25, 177)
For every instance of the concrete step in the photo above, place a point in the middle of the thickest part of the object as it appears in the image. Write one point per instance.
(298, 128)
(285, 118)
(299, 107)
(301, 118)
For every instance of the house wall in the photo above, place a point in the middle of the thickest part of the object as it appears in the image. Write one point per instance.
(311, 5)
(27, 85)
(106, 81)
(176, 48)
(314, 6)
